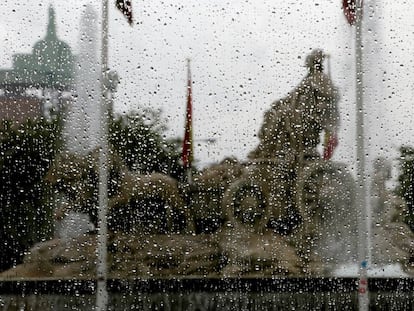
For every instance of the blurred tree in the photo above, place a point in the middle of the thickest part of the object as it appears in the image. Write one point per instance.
(138, 138)
(406, 182)
(26, 151)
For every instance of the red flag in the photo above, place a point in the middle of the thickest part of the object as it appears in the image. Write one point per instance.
(188, 134)
(125, 7)
(331, 142)
(349, 7)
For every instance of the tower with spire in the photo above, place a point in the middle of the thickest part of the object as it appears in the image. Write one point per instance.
(47, 72)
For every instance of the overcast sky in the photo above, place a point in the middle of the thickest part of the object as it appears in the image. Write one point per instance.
(245, 55)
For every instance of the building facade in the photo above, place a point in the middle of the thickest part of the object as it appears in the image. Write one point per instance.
(39, 84)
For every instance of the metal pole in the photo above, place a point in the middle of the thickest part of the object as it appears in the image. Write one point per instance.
(362, 199)
(101, 266)
(189, 124)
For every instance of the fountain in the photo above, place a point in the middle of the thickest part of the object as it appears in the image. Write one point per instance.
(284, 212)
(393, 241)
(82, 121)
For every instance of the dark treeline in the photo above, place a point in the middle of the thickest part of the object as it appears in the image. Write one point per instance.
(27, 151)
(406, 182)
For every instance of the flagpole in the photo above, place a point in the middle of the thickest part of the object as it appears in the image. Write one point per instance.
(362, 199)
(189, 173)
(188, 134)
(101, 266)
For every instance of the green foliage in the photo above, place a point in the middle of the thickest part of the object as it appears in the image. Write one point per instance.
(406, 182)
(138, 139)
(27, 151)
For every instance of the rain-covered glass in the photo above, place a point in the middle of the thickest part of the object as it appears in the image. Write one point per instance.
(206, 155)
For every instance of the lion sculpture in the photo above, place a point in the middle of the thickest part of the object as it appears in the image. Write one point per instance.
(150, 202)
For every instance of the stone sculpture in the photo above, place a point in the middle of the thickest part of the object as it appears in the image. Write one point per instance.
(76, 180)
(271, 215)
(271, 186)
(292, 126)
(281, 187)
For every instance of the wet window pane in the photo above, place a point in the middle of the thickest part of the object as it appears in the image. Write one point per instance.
(187, 155)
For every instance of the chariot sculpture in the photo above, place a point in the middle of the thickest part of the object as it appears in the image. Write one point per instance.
(280, 186)
(283, 185)
(274, 214)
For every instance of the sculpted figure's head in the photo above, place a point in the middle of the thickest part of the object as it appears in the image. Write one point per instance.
(314, 61)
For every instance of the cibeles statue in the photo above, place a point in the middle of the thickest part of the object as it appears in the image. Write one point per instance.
(292, 126)
(280, 183)
(286, 191)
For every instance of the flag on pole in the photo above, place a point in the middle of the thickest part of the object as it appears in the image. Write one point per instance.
(187, 156)
(330, 143)
(349, 7)
(125, 7)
